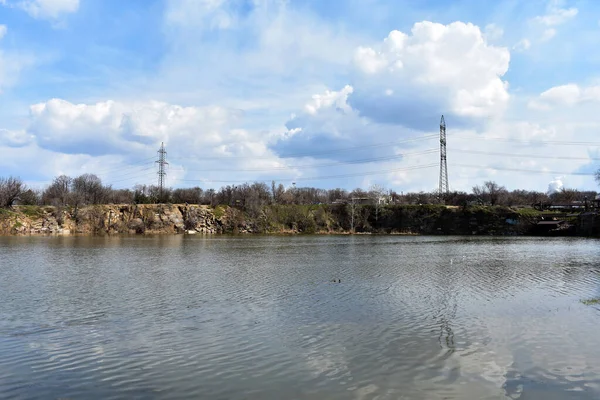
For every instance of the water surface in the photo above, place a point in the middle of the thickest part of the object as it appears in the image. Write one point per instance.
(259, 318)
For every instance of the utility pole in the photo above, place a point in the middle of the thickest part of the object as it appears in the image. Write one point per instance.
(444, 189)
(162, 170)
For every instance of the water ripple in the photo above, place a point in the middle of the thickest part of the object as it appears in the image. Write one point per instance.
(261, 318)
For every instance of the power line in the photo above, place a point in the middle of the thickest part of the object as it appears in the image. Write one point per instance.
(136, 163)
(416, 167)
(144, 177)
(309, 154)
(320, 177)
(511, 140)
(482, 167)
(135, 173)
(286, 167)
(389, 158)
(524, 155)
(387, 144)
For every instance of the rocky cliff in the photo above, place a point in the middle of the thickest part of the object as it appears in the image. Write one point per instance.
(190, 219)
(102, 219)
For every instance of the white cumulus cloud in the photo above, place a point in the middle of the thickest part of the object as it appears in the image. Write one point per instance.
(555, 185)
(202, 142)
(328, 99)
(566, 95)
(445, 68)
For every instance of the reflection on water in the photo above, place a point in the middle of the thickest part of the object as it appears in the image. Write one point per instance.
(259, 318)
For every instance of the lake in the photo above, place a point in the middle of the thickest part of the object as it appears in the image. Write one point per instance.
(259, 317)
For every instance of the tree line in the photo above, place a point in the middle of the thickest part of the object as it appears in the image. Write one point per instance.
(89, 189)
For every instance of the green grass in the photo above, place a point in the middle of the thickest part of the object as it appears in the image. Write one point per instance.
(5, 213)
(219, 211)
(31, 211)
(528, 212)
(591, 302)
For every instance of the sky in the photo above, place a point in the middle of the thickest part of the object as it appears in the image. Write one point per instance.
(317, 93)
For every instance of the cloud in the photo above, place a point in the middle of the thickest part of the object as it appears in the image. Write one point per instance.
(555, 185)
(565, 95)
(493, 32)
(435, 69)
(548, 34)
(203, 142)
(204, 14)
(399, 91)
(545, 25)
(11, 63)
(280, 53)
(522, 45)
(330, 99)
(111, 127)
(555, 15)
(15, 138)
(49, 9)
(225, 76)
(327, 122)
(500, 150)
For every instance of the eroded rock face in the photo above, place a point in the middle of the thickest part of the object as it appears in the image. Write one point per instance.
(102, 219)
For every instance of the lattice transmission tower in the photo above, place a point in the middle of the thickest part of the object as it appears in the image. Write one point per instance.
(162, 167)
(444, 188)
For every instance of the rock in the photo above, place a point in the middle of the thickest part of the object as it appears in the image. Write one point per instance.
(97, 219)
(137, 225)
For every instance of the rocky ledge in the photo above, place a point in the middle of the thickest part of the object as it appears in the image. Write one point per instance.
(99, 219)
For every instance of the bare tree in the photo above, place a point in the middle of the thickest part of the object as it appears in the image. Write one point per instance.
(10, 190)
(190, 195)
(58, 192)
(210, 197)
(88, 188)
(274, 192)
(120, 196)
(566, 196)
(490, 192)
(29, 198)
(377, 193)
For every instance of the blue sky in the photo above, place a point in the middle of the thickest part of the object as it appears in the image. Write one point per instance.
(301, 91)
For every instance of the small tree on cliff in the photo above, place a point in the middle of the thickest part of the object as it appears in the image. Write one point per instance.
(10, 190)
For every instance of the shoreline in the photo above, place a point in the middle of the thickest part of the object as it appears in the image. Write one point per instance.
(392, 220)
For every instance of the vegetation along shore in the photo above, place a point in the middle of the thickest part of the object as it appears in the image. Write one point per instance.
(83, 205)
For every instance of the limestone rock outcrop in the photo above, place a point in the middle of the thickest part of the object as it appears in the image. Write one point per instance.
(99, 219)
